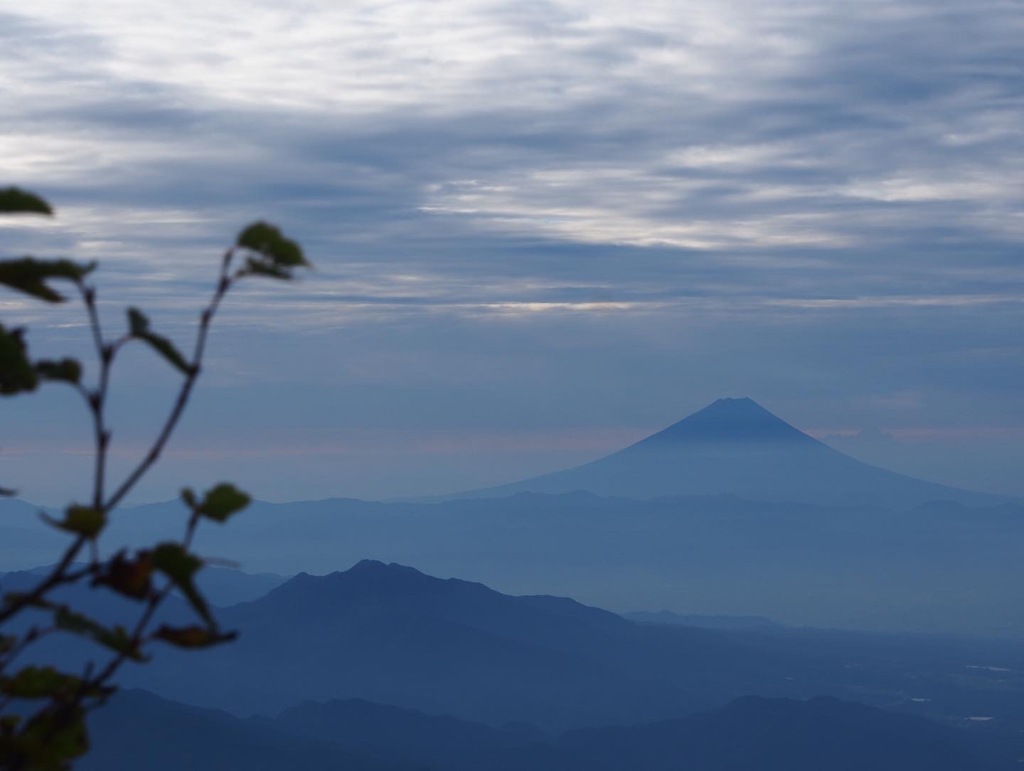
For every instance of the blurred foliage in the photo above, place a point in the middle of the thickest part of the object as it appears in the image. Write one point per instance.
(43, 710)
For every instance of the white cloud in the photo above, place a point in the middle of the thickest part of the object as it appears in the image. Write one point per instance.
(700, 124)
(794, 198)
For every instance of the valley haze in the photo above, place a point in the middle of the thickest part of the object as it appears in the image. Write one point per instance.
(729, 511)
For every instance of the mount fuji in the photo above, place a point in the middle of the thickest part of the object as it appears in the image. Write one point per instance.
(737, 447)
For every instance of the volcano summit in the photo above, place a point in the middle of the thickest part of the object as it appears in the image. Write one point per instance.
(736, 447)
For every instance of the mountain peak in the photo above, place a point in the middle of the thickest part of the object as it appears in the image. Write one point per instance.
(364, 574)
(735, 446)
(378, 568)
(729, 420)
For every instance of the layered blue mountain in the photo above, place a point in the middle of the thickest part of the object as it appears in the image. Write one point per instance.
(443, 742)
(736, 447)
(749, 733)
(783, 735)
(392, 635)
(139, 730)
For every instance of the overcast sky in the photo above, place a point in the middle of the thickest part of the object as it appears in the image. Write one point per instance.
(541, 230)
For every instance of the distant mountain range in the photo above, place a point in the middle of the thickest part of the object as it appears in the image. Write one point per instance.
(390, 634)
(726, 518)
(384, 667)
(736, 447)
(919, 557)
(139, 730)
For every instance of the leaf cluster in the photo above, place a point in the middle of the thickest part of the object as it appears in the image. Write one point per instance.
(43, 710)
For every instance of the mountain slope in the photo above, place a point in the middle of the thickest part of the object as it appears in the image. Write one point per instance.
(735, 446)
(783, 735)
(138, 730)
(394, 733)
(390, 634)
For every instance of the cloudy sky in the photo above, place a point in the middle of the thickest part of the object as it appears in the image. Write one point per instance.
(541, 230)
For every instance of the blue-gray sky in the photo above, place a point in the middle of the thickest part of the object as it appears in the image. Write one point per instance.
(541, 230)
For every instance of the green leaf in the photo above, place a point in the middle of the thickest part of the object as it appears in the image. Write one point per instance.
(193, 636)
(258, 267)
(138, 327)
(188, 495)
(30, 275)
(39, 683)
(222, 501)
(51, 738)
(18, 598)
(64, 370)
(72, 621)
(81, 520)
(115, 638)
(138, 323)
(17, 374)
(14, 200)
(275, 256)
(127, 576)
(268, 240)
(180, 567)
(166, 348)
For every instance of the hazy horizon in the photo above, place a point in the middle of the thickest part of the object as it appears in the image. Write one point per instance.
(879, 449)
(540, 231)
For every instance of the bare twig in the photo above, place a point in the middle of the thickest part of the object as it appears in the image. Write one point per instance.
(223, 284)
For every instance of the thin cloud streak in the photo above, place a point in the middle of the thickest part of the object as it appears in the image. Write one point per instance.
(624, 208)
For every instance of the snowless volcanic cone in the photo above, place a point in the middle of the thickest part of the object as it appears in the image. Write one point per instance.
(736, 447)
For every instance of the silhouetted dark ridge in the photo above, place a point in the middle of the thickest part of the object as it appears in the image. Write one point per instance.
(398, 732)
(365, 582)
(392, 635)
(729, 420)
(369, 586)
(390, 571)
(138, 730)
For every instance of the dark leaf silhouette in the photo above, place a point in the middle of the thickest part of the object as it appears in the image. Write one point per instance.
(14, 200)
(175, 562)
(16, 371)
(193, 636)
(64, 370)
(131, 577)
(222, 501)
(80, 520)
(275, 255)
(138, 326)
(30, 276)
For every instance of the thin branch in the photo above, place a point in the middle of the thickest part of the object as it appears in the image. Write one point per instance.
(31, 636)
(97, 399)
(183, 395)
(58, 575)
(135, 641)
(89, 298)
